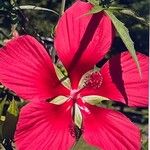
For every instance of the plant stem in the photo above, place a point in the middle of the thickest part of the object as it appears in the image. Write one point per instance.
(62, 9)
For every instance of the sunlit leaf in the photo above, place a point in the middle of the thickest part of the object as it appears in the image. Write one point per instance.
(124, 34)
(31, 7)
(133, 14)
(13, 1)
(95, 9)
(94, 2)
(115, 8)
(13, 108)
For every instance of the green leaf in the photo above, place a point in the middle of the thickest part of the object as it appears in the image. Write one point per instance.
(124, 34)
(133, 14)
(13, 2)
(94, 2)
(95, 9)
(112, 8)
(2, 103)
(13, 108)
(1, 106)
(31, 7)
(1, 42)
(82, 145)
(145, 145)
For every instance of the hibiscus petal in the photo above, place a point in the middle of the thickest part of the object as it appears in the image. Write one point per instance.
(44, 126)
(82, 40)
(26, 68)
(121, 80)
(109, 130)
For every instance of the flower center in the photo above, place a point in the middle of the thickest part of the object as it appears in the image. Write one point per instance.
(93, 80)
(74, 94)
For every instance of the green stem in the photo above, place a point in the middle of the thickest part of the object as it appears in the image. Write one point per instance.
(78, 144)
(62, 9)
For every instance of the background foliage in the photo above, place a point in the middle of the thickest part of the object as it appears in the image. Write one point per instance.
(41, 24)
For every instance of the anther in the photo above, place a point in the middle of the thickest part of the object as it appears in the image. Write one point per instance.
(93, 80)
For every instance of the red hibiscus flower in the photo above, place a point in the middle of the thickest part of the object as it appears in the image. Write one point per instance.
(57, 115)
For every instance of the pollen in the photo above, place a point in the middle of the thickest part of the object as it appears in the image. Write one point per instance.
(93, 80)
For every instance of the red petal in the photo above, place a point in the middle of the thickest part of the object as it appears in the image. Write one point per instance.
(44, 126)
(109, 130)
(121, 80)
(82, 40)
(26, 68)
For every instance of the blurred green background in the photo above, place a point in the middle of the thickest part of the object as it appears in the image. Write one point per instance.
(42, 24)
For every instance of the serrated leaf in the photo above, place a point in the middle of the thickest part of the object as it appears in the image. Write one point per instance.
(13, 108)
(31, 7)
(94, 2)
(94, 99)
(124, 35)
